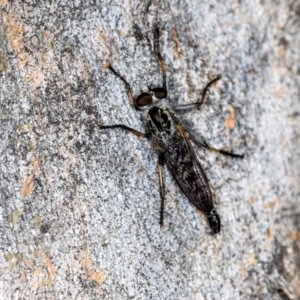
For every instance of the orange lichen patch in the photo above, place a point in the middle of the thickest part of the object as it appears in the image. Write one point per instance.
(38, 276)
(280, 52)
(252, 200)
(36, 166)
(65, 152)
(252, 260)
(29, 262)
(23, 276)
(16, 34)
(48, 34)
(38, 272)
(98, 276)
(28, 185)
(294, 235)
(270, 233)
(46, 55)
(62, 149)
(231, 121)
(279, 92)
(278, 26)
(243, 271)
(178, 53)
(27, 9)
(35, 285)
(272, 204)
(105, 42)
(3, 2)
(88, 263)
(37, 253)
(70, 143)
(37, 77)
(69, 80)
(3, 63)
(4, 270)
(32, 144)
(48, 178)
(217, 251)
(48, 264)
(73, 264)
(23, 58)
(42, 278)
(122, 33)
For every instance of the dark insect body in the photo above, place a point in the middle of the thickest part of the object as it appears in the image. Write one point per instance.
(172, 142)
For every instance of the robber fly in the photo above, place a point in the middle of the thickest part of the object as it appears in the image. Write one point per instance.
(172, 141)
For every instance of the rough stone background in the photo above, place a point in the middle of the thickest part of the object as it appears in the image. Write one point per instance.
(80, 207)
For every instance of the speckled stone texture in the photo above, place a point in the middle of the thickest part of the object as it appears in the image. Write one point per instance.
(79, 206)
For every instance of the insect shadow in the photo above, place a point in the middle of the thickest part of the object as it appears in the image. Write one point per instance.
(172, 141)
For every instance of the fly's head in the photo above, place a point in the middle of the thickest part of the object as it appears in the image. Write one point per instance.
(150, 96)
(159, 118)
(214, 221)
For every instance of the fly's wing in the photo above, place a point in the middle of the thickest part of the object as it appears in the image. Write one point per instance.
(185, 167)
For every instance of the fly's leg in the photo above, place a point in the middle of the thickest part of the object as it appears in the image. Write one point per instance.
(224, 152)
(185, 107)
(128, 88)
(195, 138)
(161, 161)
(160, 58)
(137, 133)
(199, 141)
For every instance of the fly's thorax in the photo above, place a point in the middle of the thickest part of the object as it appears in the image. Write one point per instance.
(161, 122)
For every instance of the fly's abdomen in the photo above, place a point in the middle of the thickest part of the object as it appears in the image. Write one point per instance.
(188, 173)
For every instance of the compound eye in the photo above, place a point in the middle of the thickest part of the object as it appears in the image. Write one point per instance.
(143, 100)
(159, 93)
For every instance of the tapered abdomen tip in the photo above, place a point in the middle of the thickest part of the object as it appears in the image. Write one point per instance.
(214, 221)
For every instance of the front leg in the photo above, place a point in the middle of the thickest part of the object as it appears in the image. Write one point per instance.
(137, 133)
(201, 142)
(160, 58)
(128, 87)
(161, 161)
(187, 107)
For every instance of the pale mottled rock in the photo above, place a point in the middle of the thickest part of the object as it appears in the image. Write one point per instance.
(80, 207)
